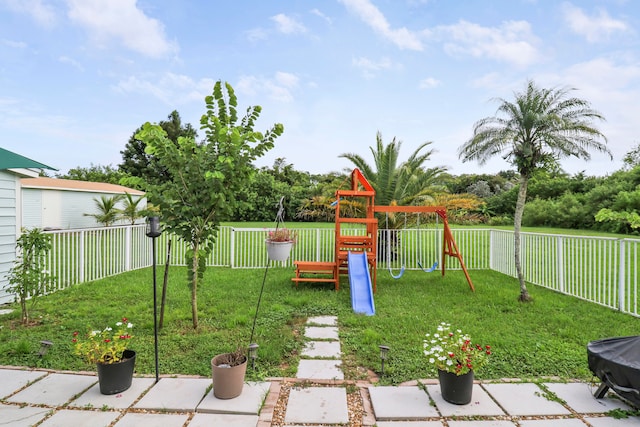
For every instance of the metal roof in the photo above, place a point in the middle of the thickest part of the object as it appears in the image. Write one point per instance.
(11, 160)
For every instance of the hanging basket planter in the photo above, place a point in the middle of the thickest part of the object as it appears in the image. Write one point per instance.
(278, 251)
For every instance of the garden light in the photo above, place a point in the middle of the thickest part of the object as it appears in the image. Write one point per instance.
(153, 231)
(44, 347)
(383, 356)
(253, 354)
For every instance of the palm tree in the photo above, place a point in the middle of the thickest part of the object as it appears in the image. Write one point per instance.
(107, 211)
(130, 210)
(400, 184)
(533, 132)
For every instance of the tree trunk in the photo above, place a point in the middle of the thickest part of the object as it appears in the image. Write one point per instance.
(522, 196)
(194, 286)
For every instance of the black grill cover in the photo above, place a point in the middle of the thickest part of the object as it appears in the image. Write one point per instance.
(616, 361)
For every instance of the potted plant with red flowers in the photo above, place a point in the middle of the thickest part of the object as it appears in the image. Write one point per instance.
(456, 358)
(109, 350)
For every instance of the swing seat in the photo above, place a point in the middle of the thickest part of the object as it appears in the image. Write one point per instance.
(399, 275)
(428, 270)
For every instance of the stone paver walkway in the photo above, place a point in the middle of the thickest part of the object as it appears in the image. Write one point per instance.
(317, 396)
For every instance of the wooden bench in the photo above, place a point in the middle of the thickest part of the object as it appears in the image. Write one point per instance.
(317, 272)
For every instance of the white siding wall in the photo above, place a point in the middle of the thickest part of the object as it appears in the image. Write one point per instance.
(31, 208)
(8, 227)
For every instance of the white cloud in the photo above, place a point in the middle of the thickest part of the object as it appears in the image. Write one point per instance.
(124, 21)
(370, 67)
(72, 62)
(13, 44)
(288, 25)
(42, 13)
(322, 15)
(593, 28)
(170, 88)
(371, 15)
(429, 83)
(512, 42)
(278, 88)
(256, 34)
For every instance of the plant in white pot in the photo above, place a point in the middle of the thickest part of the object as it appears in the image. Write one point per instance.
(456, 358)
(279, 243)
(109, 350)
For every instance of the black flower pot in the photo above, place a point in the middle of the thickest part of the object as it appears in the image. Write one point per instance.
(456, 389)
(116, 377)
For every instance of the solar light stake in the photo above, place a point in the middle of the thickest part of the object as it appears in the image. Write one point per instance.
(153, 231)
(253, 354)
(44, 347)
(383, 356)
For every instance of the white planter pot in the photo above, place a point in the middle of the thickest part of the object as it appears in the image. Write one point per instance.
(278, 251)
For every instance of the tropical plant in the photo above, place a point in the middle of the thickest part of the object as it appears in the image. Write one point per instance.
(397, 183)
(104, 346)
(130, 210)
(107, 213)
(205, 178)
(533, 132)
(28, 278)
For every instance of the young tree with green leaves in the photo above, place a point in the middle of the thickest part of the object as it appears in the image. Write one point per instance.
(28, 278)
(205, 178)
(533, 132)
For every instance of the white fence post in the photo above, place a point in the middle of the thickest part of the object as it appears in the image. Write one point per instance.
(127, 249)
(81, 258)
(232, 248)
(621, 276)
(560, 263)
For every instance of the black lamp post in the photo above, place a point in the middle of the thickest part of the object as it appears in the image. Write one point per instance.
(383, 356)
(153, 231)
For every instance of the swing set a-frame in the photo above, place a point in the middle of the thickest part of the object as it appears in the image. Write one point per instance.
(361, 190)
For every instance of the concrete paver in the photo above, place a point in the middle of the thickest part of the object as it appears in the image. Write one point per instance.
(564, 422)
(409, 424)
(317, 405)
(579, 396)
(14, 379)
(175, 394)
(524, 399)
(320, 369)
(323, 320)
(94, 399)
(248, 403)
(400, 403)
(321, 332)
(612, 422)
(67, 417)
(152, 420)
(226, 420)
(13, 415)
(481, 423)
(481, 403)
(327, 349)
(54, 389)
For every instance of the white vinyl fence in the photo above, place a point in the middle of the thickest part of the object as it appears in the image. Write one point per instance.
(598, 269)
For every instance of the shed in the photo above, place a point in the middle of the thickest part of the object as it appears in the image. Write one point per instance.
(13, 167)
(51, 203)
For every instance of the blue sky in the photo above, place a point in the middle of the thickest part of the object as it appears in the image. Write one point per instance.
(78, 77)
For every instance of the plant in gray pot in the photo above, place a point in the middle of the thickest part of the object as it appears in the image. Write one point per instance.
(109, 350)
(228, 371)
(456, 358)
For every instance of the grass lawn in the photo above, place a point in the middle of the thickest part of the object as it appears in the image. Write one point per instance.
(545, 338)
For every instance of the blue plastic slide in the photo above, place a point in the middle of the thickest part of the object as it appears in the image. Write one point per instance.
(360, 284)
